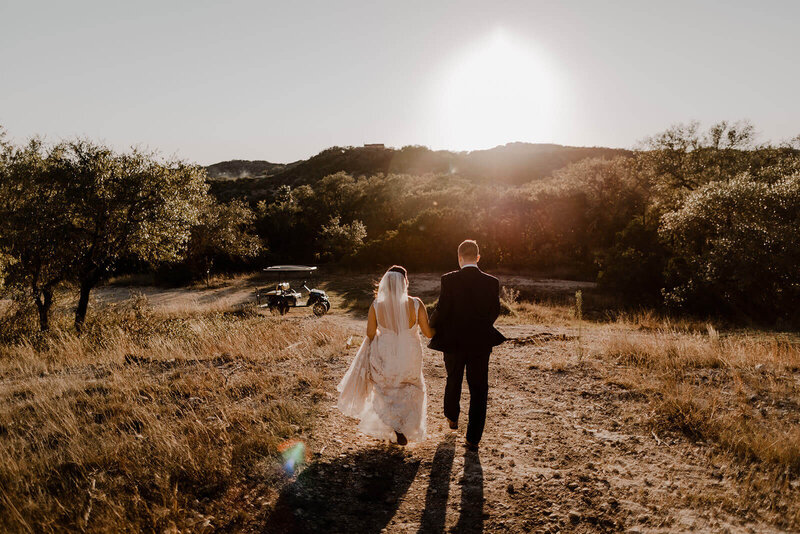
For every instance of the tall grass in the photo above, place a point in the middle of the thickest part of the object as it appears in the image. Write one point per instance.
(147, 420)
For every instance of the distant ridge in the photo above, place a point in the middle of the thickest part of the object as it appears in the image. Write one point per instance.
(510, 164)
(242, 168)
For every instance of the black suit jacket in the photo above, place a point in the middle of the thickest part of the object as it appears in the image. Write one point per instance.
(469, 303)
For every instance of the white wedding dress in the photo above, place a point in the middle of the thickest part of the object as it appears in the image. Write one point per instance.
(384, 387)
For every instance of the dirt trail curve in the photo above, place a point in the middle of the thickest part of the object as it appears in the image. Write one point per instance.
(563, 451)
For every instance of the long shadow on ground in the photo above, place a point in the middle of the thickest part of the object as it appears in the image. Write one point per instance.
(358, 492)
(471, 518)
(433, 517)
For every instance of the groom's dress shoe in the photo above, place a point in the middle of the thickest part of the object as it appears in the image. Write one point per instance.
(453, 424)
(470, 446)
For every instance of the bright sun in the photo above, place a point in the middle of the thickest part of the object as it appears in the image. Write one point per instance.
(500, 91)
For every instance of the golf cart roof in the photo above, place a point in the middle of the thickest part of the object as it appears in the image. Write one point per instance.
(289, 269)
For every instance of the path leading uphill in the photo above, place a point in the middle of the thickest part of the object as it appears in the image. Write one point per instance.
(564, 451)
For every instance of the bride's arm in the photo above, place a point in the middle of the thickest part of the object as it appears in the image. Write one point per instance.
(372, 323)
(422, 319)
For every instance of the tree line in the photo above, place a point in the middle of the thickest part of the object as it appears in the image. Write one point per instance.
(698, 220)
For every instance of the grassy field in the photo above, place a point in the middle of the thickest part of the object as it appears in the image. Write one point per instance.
(157, 415)
(149, 418)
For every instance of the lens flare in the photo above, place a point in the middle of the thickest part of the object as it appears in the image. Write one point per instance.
(293, 454)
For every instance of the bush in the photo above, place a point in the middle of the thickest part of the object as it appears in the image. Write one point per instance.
(634, 266)
(735, 249)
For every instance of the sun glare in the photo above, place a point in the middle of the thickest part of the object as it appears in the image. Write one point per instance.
(499, 91)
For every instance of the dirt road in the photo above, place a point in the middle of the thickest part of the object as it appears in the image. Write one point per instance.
(564, 450)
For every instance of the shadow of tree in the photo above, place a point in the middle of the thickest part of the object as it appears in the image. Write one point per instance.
(354, 294)
(358, 492)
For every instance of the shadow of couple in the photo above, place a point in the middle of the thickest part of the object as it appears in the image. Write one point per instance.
(471, 510)
(361, 491)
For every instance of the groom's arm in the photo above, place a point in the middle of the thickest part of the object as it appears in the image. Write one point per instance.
(495, 309)
(443, 307)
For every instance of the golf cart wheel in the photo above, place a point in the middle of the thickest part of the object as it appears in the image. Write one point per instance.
(319, 309)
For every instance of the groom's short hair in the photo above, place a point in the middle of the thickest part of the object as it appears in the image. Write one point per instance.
(468, 249)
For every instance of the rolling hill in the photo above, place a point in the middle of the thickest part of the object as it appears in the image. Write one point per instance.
(510, 164)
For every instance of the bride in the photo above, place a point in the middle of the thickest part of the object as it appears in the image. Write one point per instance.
(384, 387)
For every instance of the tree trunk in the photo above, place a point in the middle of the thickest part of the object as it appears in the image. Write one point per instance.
(44, 302)
(208, 263)
(83, 303)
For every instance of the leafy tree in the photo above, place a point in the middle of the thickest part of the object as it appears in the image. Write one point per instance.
(35, 223)
(5, 156)
(224, 230)
(681, 158)
(73, 211)
(426, 241)
(734, 248)
(634, 265)
(339, 240)
(613, 192)
(127, 205)
(281, 224)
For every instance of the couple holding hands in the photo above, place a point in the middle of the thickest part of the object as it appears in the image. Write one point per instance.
(385, 388)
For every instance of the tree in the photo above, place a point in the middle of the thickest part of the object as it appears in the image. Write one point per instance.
(223, 230)
(634, 265)
(339, 240)
(5, 155)
(35, 223)
(72, 211)
(734, 248)
(277, 224)
(127, 205)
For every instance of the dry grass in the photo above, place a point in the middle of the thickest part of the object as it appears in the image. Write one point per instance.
(535, 312)
(670, 349)
(740, 392)
(146, 421)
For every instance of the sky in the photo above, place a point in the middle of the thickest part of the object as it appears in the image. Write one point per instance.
(281, 81)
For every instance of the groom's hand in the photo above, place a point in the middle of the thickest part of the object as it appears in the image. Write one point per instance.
(439, 314)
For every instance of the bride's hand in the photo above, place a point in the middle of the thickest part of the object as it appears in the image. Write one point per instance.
(422, 319)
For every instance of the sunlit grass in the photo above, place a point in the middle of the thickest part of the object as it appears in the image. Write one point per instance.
(148, 418)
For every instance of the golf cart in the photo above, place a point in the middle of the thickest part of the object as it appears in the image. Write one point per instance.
(283, 296)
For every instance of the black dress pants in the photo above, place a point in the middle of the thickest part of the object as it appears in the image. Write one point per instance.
(477, 367)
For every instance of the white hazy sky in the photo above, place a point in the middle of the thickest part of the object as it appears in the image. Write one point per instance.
(209, 81)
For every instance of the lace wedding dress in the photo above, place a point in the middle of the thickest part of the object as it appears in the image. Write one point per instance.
(384, 387)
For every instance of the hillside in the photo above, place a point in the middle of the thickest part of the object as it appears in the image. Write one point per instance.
(241, 168)
(510, 164)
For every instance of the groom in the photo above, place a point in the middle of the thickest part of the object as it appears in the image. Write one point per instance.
(469, 303)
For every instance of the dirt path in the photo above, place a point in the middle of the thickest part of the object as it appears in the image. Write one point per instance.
(563, 451)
